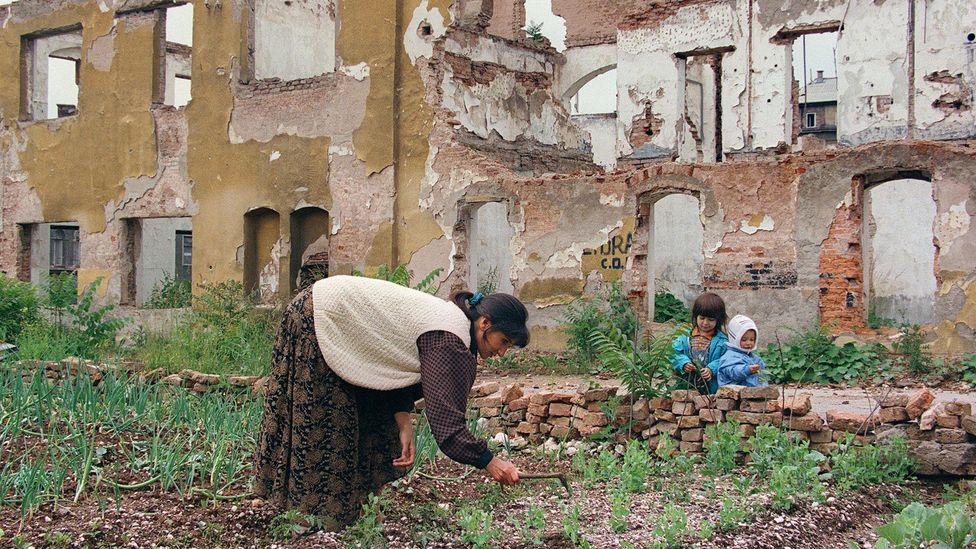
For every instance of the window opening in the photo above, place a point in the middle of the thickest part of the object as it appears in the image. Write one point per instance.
(489, 248)
(178, 60)
(899, 252)
(598, 96)
(700, 137)
(542, 22)
(815, 85)
(293, 40)
(50, 75)
(309, 258)
(184, 255)
(65, 249)
(261, 266)
(676, 248)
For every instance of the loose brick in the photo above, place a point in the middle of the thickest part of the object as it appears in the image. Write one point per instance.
(527, 428)
(859, 439)
(689, 422)
(539, 409)
(490, 411)
(681, 395)
(893, 415)
(545, 428)
(690, 447)
(957, 408)
(494, 401)
(951, 436)
(595, 419)
(683, 408)
(511, 392)
(710, 415)
(729, 391)
(483, 389)
(666, 427)
(824, 448)
(759, 393)
(968, 424)
(820, 437)
(946, 421)
(726, 404)
(661, 403)
(540, 398)
(664, 415)
(518, 404)
(797, 405)
(532, 418)
(809, 422)
(919, 402)
(703, 401)
(759, 406)
(896, 400)
(559, 409)
(640, 410)
(559, 432)
(747, 430)
(852, 422)
(599, 394)
(692, 435)
(561, 421)
(514, 417)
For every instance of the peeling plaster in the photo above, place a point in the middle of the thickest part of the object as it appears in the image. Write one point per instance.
(419, 42)
(951, 225)
(756, 223)
(102, 51)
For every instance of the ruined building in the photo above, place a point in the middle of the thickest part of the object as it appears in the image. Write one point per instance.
(332, 135)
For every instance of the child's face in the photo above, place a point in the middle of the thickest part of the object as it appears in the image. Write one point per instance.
(748, 341)
(706, 324)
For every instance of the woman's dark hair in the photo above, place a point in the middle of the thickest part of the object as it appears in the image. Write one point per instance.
(709, 305)
(507, 314)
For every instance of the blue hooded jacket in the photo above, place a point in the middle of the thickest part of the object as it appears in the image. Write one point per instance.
(681, 355)
(733, 368)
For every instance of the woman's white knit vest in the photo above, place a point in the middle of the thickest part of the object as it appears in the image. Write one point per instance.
(367, 329)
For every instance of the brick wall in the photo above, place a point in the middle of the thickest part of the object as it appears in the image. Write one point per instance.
(841, 268)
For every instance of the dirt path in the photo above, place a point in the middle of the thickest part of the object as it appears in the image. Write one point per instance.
(823, 397)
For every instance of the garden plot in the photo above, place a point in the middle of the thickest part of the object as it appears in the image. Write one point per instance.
(129, 463)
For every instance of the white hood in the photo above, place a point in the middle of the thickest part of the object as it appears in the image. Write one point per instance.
(738, 326)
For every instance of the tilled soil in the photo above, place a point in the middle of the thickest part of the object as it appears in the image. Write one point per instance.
(421, 513)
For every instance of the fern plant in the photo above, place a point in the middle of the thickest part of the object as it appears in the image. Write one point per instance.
(642, 367)
(401, 275)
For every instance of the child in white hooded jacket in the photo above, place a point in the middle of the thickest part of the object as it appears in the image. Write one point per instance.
(740, 365)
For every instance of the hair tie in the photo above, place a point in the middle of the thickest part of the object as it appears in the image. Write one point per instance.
(476, 299)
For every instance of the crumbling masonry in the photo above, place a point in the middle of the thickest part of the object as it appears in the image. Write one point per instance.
(330, 135)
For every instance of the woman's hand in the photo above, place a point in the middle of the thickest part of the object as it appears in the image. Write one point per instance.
(689, 368)
(502, 471)
(407, 449)
(706, 374)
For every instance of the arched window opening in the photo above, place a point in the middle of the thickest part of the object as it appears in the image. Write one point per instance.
(675, 249)
(490, 248)
(309, 258)
(899, 252)
(261, 235)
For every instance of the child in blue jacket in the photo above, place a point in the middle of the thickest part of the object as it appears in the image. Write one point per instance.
(695, 357)
(739, 364)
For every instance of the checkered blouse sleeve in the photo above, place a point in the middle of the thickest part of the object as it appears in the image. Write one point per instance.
(447, 372)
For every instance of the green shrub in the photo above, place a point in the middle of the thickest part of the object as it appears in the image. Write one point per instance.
(18, 307)
(668, 307)
(644, 367)
(223, 334)
(721, 447)
(170, 293)
(811, 356)
(968, 369)
(89, 332)
(949, 526)
(583, 317)
(792, 468)
(403, 276)
(909, 347)
(60, 292)
(476, 528)
(853, 467)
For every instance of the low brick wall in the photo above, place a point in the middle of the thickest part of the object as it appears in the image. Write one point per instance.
(942, 438)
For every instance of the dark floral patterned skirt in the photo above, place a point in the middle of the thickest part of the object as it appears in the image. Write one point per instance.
(324, 444)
